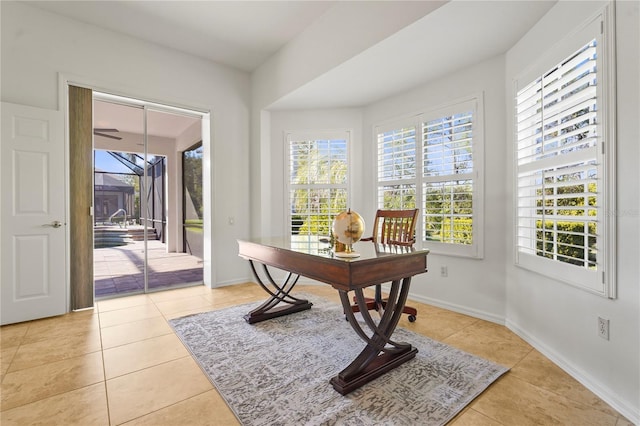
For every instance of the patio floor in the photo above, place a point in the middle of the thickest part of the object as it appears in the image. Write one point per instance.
(120, 270)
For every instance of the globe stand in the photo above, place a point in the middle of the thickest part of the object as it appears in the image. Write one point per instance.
(347, 253)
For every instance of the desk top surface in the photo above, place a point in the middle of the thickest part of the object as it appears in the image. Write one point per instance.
(311, 258)
(312, 246)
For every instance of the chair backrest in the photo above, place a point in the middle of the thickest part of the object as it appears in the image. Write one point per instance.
(395, 227)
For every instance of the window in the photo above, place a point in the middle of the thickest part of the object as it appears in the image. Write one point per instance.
(318, 179)
(561, 169)
(431, 162)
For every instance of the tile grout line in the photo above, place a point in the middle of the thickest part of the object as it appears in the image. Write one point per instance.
(13, 357)
(104, 372)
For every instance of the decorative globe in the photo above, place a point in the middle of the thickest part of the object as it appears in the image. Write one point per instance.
(348, 228)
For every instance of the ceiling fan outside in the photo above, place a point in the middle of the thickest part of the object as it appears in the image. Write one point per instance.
(103, 132)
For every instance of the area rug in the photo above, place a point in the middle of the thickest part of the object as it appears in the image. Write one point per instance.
(277, 372)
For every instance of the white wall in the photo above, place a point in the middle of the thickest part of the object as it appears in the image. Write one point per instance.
(560, 320)
(38, 46)
(473, 286)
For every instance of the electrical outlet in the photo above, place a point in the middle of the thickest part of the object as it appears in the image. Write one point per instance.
(603, 328)
(444, 272)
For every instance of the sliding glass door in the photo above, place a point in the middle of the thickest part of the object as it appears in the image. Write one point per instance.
(169, 265)
(138, 213)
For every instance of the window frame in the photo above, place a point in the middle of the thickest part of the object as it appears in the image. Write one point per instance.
(315, 135)
(603, 280)
(474, 103)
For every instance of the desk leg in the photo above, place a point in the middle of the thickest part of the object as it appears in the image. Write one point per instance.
(280, 301)
(381, 353)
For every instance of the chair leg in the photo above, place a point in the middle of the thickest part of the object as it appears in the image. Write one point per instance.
(371, 306)
(411, 311)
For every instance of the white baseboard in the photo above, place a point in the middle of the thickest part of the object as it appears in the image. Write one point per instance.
(603, 392)
(487, 316)
(234, 282)
(434, 302)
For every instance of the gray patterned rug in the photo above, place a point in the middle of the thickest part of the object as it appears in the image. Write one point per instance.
(245, 363)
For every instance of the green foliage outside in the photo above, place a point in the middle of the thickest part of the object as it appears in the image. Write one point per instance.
(447, 210)
(567, 241)
(192, 178)
(458, 230)
(314, 207)
(194, 225)
(399, 197)
(133, 180)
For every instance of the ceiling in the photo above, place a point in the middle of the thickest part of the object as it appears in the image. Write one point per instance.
(243, 34)
(458, 34)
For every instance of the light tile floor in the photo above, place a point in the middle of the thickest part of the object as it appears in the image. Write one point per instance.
(121, 363)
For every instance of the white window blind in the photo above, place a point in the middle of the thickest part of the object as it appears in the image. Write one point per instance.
(448, 178)
(396, 166)
(430, 164)
(318, 179)
(561, 182)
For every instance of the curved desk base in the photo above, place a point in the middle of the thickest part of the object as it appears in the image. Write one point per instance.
(281, 302)
(381, 353)
(377, 264)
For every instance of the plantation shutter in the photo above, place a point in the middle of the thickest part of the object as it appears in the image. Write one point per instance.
(430, 161)
(318, 181)
(397, 167)
(448, 178)
(558, 166)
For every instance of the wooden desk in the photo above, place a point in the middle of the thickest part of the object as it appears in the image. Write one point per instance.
(377, 264)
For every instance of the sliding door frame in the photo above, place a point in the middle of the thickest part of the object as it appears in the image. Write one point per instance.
(80, 149)
(84, 286)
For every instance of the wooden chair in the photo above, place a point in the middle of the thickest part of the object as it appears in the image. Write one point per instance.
(392, 227)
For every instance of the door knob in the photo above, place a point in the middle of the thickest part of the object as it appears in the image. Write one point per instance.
(54, 224)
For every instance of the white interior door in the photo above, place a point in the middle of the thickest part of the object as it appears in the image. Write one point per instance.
(33, 228)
